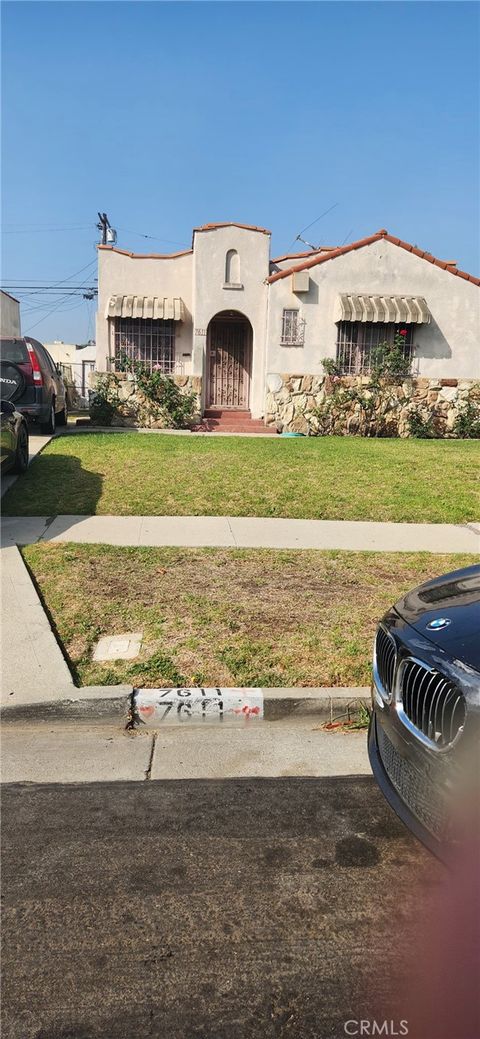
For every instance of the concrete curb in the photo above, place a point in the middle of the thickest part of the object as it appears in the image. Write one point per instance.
(90, 704)
(329, 703)
(120, 705)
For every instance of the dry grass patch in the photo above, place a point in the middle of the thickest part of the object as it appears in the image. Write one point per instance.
(222, 616)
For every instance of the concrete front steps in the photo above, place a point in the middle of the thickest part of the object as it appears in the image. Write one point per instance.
(232, 420)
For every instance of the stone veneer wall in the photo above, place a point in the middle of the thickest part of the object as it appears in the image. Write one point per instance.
(292, 407)
(136, 410)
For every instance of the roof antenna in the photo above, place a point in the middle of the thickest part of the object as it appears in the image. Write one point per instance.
(314, 248)
(299, 238)
(347, 237)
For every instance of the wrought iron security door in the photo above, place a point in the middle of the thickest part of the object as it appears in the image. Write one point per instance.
(229, 348)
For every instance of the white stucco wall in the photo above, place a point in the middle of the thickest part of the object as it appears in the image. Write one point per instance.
(9, 315)
(73, 355)
(448, 347)
(211, 297)
(70, 353)
(120, 274)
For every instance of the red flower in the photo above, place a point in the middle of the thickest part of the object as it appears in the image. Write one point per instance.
(403, 332)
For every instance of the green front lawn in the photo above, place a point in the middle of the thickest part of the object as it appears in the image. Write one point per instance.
(318, 478)
(223, 616)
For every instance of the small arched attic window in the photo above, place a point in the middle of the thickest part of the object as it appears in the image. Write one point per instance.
(232, 270)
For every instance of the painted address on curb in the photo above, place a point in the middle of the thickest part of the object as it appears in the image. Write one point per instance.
(182, 705)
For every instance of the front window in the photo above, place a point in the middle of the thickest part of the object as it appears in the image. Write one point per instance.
(293, 329)
(358, 342)
(152, 342)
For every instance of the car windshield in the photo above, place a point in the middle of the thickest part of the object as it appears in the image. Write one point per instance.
(14, 350)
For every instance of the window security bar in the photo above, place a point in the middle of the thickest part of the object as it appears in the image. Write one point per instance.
(293, 329)
(150, 342)
(358, 346)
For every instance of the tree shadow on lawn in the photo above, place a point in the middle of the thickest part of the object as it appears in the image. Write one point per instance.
(54, 485)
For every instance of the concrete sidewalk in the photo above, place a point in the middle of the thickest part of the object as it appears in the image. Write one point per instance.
(34, 672)
(244, 532)
(32, 663)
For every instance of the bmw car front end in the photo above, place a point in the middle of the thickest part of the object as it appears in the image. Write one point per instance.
(425, 727)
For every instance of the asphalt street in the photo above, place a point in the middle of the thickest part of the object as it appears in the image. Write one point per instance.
(209, 909)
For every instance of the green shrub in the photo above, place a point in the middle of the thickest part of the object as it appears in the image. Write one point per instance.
(330, 366)
(166, 399)
(377, 407)
(375, 415)
(390, 362)
(467, 422)
(421, 425)
(105, 400)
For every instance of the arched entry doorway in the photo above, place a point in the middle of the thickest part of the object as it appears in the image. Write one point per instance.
(229, 360)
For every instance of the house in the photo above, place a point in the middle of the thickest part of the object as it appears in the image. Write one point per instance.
(237, 325)
(9, 315)
(77, 361)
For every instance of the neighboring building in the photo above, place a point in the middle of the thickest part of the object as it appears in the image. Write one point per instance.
(77, 361)
(9, 315)
(225, 313)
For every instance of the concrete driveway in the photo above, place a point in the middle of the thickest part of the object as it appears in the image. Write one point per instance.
(36, 444)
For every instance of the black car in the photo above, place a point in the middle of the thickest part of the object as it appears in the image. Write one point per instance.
(14, 438)
(425, 726)
(30, 379)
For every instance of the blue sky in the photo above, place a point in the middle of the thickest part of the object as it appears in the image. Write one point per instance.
(168, 115)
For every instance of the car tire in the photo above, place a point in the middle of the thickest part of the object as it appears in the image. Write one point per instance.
(49, 425)
(62, 416)
(21, 454)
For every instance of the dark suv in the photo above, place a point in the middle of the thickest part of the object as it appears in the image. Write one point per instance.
(30, 379)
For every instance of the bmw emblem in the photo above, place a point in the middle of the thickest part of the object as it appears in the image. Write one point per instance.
(439, 623)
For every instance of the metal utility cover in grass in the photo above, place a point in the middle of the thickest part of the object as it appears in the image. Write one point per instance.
(118, 647)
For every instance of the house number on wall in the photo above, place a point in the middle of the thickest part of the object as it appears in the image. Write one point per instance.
(200, 331)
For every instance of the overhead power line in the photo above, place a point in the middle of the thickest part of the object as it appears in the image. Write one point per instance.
(154, 238)
(50, 312)
(27, 290)
(65, 294)
(307, 228)
(298, 237)
(47, 288)
(49, 230)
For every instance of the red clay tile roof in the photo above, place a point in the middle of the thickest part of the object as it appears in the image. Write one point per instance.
(309, 252)
(231, 223)
(342, 250)
(145, 256)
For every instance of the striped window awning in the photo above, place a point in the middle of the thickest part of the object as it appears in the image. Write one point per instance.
(384, 309)
(147, 307)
